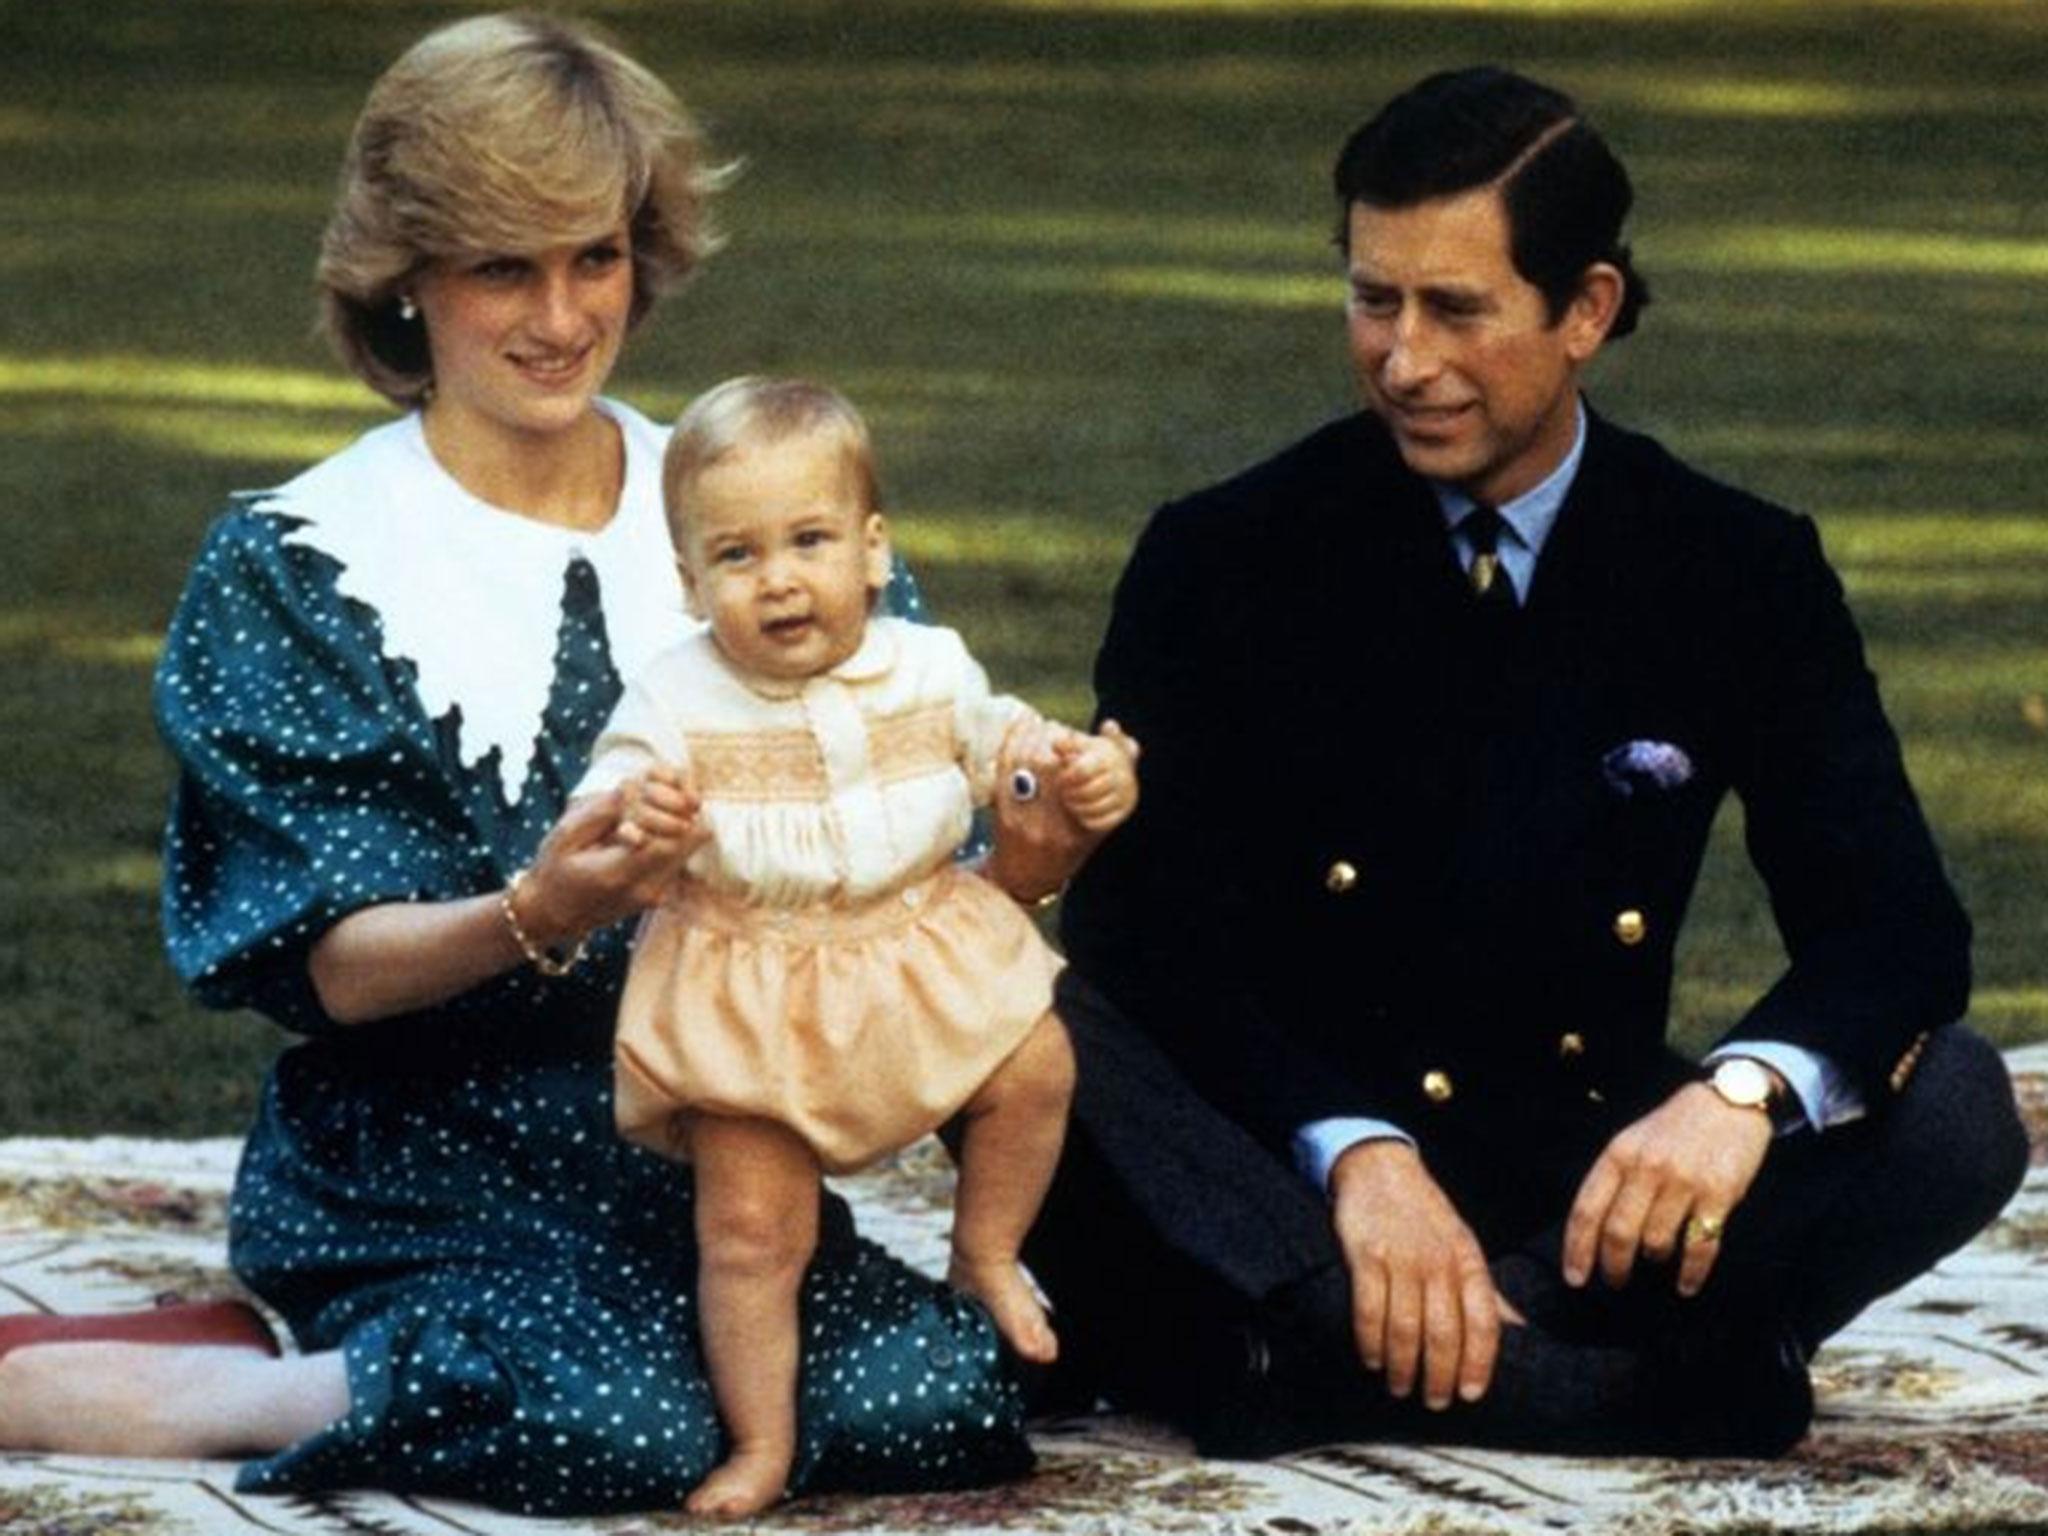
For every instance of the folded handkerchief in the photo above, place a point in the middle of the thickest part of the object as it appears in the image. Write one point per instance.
(1654, 767)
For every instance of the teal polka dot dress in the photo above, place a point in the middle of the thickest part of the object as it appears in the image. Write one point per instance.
(442, 1196)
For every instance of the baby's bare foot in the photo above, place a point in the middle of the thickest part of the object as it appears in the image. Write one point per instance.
(744, 1484)
(999, 1285)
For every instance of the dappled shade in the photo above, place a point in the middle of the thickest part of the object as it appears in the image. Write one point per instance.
(1071, 258)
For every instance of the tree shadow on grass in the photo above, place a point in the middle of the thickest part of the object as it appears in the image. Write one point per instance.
(1074, 259)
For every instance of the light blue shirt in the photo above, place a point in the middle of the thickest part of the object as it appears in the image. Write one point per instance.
(1825, 1096)
(1526, 520)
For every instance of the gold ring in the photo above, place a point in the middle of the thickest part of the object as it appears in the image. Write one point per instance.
(1703, 1229)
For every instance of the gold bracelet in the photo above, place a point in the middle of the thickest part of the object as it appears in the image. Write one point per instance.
(1043, 903)
(541, 960)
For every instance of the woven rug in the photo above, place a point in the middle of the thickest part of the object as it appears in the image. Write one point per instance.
(1933, 1407)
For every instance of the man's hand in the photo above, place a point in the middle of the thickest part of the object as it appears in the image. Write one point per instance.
(1038, 845)
(1421, 1297)
(1671, 1178)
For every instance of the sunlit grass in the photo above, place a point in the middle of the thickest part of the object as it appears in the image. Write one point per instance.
(1998, 1010)
(1205, 286)
(1021, 541)
(1850, 249)
(62, 214)
(128, 377)
(1785, 91)
(78, 633)
(1809, 442)
(135, 874)
(1953, 585)
(1617, 10)
(1751, 97)
(1046, 231)
(226, 433)
(1072, 259)
(1725, 321)
(1986, 791)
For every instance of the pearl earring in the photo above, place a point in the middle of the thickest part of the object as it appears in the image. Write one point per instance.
(407, 310)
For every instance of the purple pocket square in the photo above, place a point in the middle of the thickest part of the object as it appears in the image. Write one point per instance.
(1651, 767)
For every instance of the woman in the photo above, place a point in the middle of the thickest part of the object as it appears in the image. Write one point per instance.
(381, 682)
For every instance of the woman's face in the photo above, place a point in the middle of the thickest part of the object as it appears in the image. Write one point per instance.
(522, 342)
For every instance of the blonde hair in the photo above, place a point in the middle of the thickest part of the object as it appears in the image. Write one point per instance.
(504, 134)
(754, 409)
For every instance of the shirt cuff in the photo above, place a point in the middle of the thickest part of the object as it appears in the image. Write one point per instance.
(1319, 1144)
(1826, 1096)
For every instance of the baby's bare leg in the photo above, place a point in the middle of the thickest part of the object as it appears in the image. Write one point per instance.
(1009, 1147)
(757, 1224)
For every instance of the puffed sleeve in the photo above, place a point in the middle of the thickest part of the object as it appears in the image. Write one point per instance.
(981, 719)
(310, 782)
(642, 733)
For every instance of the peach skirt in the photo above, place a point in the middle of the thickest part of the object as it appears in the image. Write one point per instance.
(860, 1028)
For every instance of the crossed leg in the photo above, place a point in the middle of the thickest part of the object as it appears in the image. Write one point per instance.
(1171, 1242)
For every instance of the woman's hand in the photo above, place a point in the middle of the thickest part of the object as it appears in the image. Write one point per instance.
(610, 856)
(588, 872)
(661, 805)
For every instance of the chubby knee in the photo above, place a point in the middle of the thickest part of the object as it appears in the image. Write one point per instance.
(1040, 1073)
(751, 1234)
(1965, 1116)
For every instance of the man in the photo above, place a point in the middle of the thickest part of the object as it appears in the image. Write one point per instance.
(1377, 1130)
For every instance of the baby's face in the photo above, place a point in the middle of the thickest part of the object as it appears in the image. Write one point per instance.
(783, 556)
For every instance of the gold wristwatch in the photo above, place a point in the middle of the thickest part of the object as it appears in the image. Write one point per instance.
(1747, 1083)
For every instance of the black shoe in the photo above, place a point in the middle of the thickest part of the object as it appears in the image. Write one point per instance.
(1250, 1405)
(1728, 1391)
(1064, 1389)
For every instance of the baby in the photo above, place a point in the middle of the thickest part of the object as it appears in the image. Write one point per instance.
(825, 984)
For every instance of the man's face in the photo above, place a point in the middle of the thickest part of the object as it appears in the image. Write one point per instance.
(1455, 350)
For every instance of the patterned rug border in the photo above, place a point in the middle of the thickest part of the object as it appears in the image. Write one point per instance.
(1933, 1407)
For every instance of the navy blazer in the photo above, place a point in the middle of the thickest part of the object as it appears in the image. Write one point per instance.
(1380, 867)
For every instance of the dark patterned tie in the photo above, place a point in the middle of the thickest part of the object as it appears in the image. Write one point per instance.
(1492, 586)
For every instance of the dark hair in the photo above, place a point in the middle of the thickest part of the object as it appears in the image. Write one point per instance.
(1565, 193)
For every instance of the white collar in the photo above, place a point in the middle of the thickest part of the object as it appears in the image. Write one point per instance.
(871, 659)
(470, 594)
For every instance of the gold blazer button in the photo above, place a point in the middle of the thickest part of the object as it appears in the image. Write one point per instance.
(1437, 1087)
(1630, 926)
(1340, 877)
(1571, 1046)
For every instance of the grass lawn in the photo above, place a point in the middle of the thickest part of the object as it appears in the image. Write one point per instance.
(1073, 258)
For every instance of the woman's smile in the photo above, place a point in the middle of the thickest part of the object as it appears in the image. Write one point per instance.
(521, 343)
(552, 367)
